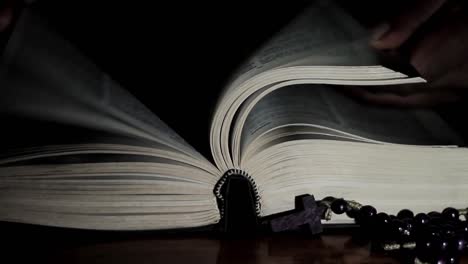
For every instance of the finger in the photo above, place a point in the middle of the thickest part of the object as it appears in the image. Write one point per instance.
(443, 49)
(422, 99)
(6, 16)
(456, 80)
(393, 34)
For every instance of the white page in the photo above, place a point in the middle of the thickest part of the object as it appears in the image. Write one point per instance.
(323, 34)
(323, 45)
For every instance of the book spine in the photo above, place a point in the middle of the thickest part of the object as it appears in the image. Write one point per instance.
(218, 190)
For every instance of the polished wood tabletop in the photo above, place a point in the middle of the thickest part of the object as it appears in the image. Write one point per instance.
(49, 245)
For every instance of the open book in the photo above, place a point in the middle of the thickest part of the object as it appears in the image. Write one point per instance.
(281, 122)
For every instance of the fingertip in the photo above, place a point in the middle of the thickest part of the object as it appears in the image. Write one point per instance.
(383, 37)
(380, 31)
(392, 35)
(391, 41)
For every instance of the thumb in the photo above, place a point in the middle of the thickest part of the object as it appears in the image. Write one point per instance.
(393, 34)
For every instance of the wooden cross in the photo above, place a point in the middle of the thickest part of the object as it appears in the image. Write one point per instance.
(307, 213)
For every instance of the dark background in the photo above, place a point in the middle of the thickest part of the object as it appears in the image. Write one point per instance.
(176, 56)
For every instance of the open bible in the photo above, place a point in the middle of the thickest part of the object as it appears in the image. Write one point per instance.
(282, 122)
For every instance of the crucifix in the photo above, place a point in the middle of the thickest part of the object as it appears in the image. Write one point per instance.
(306, 214)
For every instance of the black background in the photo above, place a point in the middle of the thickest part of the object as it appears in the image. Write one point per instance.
(176, 56)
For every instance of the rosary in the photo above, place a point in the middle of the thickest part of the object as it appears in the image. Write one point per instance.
(435, 237)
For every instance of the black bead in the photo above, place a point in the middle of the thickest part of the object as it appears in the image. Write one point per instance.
(450, 213)
(457, 244)
(444, 259)
(427, 233)
(405, 213)
(425, 250)
(400, 231)
(447, 230)
(434, 214)
(406, 236)
(437, 220)
(440, 244)
(393, 217)
(424, 246)
(421, 219)
(382, 219)
(328, 199)
(409, 223)
(398, 226)
(366, 214)
(382, 226)
(339, 206)
(452, 259)
(352, 213)
(409, 227)
(433, 231)
(463, 229)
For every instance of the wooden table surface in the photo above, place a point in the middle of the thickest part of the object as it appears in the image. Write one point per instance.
(50, 245)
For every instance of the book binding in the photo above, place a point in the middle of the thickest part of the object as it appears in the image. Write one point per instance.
(239, 203)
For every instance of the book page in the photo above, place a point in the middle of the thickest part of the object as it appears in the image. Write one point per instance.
(325, 106)
(44, 77)
(324, 34)
(323, 45)
(126, 169)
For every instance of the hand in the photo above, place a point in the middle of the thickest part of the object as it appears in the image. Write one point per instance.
(435, 34)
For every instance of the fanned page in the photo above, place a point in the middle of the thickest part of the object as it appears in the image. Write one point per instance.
(314, 139)
(285, 123)
(323, 111)
(324, 45)
(127, 171)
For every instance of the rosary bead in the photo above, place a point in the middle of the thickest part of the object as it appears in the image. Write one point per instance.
(424, 246)
(329, 199)
(409, 223)
(433, 231)
(434, 214)
(421, 219)
(451, 259)
(450, 213)
(437, 220)
(457, 244)
(443, 259)
(339, 206)
(352, 213)
(437, 235)
(440, 244)
(400, 230)
(393, 217)
(427, 233)
(447, 230)
(463, 229)
(366, 214)
(382, 225)
(382, 220)
(405, 213)
(398, 226)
